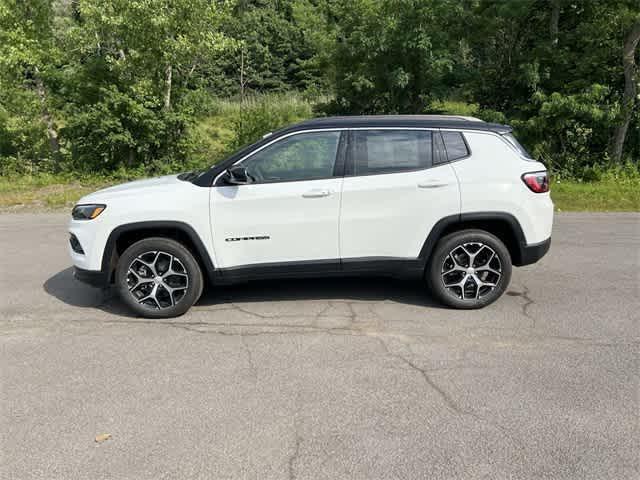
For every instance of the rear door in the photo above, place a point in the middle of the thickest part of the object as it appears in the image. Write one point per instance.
(393, 193)
(290, 212)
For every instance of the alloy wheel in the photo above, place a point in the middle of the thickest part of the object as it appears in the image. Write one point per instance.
(471, 270)
(157, 279)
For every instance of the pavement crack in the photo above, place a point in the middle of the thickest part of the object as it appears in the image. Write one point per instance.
(525, 306)
(249, 312)
(252, 364)
(446, 398)
(295, 454)
(320, 314)
(353, 315)
(294, 457)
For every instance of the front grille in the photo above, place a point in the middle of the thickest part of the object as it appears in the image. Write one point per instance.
(75, 244)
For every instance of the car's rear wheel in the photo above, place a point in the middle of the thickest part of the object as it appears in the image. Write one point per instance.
(158, 278)
(469, 269)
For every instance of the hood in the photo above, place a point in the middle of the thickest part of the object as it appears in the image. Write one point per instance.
(133, 188)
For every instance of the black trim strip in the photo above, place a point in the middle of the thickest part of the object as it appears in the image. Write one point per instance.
(394, 266)
(382, 266)
(520, 257)
(95, 278)
(110, 246)
(534, 252)
(435, 234)
(341, 155)
(300, 269)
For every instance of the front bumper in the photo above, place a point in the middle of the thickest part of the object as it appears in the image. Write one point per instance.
(532, 253)
(91, 236)
(95, 278)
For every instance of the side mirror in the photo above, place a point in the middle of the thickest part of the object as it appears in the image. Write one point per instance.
(237, 175)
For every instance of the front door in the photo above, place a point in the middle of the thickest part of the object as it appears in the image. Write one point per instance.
(289, 213)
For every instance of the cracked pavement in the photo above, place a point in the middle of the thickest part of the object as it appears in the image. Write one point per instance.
(334, 378)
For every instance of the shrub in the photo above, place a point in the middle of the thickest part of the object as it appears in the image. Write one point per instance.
(569, 132)
(258, 115)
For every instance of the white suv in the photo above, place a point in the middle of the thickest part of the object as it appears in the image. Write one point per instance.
(453, 200)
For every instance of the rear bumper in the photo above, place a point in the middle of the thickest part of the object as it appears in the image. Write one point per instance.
(95, 278)
(532, 253)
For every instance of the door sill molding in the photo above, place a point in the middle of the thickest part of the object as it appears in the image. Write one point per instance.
(373, 266)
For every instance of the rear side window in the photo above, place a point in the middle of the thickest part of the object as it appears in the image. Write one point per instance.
(390, 151)
(455, 145)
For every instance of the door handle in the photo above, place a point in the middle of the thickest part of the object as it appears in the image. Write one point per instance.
(316, 193)
(432, 184)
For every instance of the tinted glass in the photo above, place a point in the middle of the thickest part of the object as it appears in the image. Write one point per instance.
(389, 151)
(305, 156)
(455, 146)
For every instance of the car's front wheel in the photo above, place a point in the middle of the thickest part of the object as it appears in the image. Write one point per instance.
(469, 269)
(158, 278)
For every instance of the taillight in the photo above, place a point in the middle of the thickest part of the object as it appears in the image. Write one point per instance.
(538, 182)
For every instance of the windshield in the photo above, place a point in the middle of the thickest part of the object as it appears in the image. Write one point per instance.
(516, 144)
(197, 173)
(189, 176)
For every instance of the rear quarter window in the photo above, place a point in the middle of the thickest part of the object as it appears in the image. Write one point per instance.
(455, 145)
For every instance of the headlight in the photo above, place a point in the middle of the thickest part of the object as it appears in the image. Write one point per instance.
(87, 212)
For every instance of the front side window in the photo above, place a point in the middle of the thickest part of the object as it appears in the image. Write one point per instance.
(391, 151)
(305, 156)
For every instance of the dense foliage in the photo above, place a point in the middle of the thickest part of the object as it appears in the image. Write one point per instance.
(138, 85)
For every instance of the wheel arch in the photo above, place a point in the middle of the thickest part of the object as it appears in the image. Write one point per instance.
(501, 224)
(126, 235)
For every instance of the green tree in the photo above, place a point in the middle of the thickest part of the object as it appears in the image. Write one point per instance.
(394, 56)
(131, 75)
(270, 52)
(27, 54)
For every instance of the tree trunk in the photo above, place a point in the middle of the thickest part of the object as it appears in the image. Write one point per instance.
(131, 158)
(52, 133)
(242, 79)
(553, 24)
(75, 11)
(630, 87)
(168, 72)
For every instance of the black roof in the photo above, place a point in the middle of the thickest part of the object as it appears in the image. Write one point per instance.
(429, 121)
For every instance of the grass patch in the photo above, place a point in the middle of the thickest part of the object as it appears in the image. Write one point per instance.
(46, 192)
(603, 196)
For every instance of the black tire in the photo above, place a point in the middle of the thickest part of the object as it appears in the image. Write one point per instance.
(185, 275)
(450, 256)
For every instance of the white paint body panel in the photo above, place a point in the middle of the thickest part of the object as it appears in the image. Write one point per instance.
(300, 225)
(490, 181)
(157, 199)
(391, 215)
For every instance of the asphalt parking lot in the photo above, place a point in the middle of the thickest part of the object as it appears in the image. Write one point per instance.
(325, 379)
